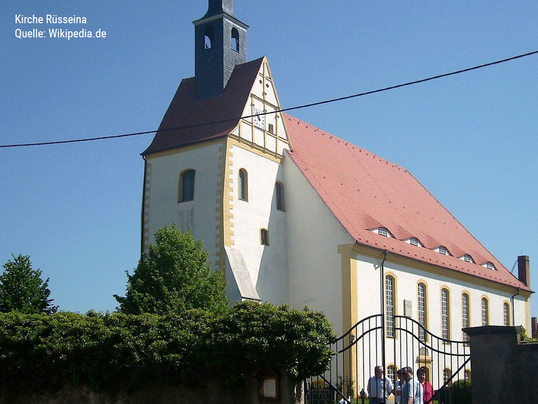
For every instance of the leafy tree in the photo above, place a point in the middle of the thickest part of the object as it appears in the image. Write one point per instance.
(174, 277)
(23, 290)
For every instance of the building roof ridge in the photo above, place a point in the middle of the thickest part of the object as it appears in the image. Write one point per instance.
(346, 142)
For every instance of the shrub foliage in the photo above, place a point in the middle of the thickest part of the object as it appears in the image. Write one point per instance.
(111, 352)
(173, 277)
(22, 289)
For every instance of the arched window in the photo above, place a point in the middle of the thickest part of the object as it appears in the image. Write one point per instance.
(186, 186)
(389, 304)
(465, 314)
(279, 192)
(264, 235)
(485, 313)
(391, 373)
(208, 38)
(445, 314)
(506, 314)
(243, 185)
(422, 314)
(234, 44)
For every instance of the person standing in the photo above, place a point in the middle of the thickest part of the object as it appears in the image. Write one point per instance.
(412, 389)
(379, 387)
(427, 388)
(398, 384)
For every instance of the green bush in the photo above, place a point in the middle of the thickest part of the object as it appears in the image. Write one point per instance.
(459, 392)
(110, 352)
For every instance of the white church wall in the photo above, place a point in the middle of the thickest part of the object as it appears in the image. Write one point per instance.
(267, 265)
(407, 279)
(162, 188)
(315, 266)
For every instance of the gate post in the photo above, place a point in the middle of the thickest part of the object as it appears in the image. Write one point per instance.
(493, 349)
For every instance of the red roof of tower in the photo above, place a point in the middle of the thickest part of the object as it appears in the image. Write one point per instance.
(185, 121)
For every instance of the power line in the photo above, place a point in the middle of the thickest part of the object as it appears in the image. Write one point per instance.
(313, 104)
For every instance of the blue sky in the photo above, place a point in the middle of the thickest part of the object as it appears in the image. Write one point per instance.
(471, 139)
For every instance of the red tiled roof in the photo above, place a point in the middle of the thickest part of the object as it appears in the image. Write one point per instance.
(188, 115)
(365, 192)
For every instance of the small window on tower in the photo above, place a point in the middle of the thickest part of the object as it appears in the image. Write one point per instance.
(235, 40)
(264, 237)
(208, 38)
(243, 185)
(279, 191)
(186, 186)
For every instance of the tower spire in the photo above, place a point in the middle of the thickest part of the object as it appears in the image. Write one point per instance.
(220, 43)
(220, 6)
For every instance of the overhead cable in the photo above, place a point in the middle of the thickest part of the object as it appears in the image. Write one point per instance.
(310, 105)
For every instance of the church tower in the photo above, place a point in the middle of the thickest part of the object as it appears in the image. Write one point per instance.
(220, 43)
(215, 166)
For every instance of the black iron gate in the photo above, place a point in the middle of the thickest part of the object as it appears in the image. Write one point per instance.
(401, 342)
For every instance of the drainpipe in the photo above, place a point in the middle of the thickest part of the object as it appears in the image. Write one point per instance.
(513, 309)
(383, 358)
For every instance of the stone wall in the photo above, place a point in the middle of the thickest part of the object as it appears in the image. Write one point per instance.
(208, 393)
(504, 370)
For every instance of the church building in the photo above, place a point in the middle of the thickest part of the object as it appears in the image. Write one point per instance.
(296, 215)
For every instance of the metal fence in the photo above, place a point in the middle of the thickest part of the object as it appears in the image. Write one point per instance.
(393, 344)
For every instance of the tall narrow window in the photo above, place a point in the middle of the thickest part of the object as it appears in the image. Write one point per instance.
(279, 191)
(506, 314)
(391, 373)
(389, 305)
(447, 374)
(208, 38)
(243, 185)
(234, 44)
(465, 314)
(264, 234)
(186, 186)
(445, 314)
(422, 315)
(485, 314)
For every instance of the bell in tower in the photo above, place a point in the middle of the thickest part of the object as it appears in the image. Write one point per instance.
(220, 43)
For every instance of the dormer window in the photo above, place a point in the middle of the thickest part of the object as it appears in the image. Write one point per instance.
(414, 241)
(489, 265)
(443, 250)
(382, 231)
(467, 258)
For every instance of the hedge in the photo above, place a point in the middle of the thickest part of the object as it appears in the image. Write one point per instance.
(113, 351)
